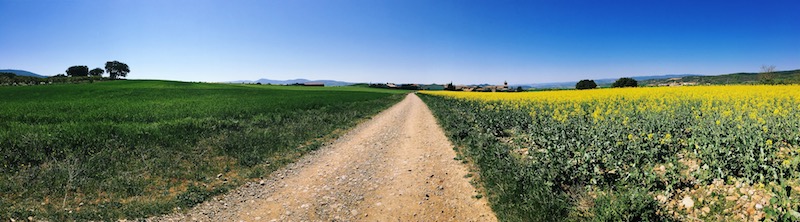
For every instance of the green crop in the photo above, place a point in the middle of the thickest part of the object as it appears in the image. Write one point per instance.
(131, 149)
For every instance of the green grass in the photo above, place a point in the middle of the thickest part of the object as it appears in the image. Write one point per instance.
(131, 149)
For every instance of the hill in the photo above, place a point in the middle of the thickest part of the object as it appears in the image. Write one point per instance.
(779, 77)
(22, 73)
(600, 82)
(293, 81)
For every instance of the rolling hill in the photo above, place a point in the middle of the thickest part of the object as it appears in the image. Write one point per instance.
(600, 82)
(778, 77)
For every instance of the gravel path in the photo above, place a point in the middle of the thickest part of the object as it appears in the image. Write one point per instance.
(398, 166)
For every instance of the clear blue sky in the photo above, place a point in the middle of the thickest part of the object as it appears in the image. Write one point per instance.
(421, 41)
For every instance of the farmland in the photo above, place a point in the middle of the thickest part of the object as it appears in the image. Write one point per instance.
(131, 149)
(712, 153)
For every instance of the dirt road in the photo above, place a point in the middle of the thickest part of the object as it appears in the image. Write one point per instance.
(397, 166)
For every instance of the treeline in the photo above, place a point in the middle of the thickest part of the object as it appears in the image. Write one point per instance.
(395, 86)
(621, 82)
(8, 79)
(74, 74)
(11, 79)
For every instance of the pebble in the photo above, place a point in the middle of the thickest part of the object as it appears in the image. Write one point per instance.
(661, 198)
(706, 209)
(687, 202)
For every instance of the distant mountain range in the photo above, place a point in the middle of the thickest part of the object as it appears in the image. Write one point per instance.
(293, 81)
(22, 73)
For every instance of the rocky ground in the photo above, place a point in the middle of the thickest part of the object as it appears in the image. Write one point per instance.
(398, 166)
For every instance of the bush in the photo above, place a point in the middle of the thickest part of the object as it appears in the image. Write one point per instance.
(586, 84)
(625, 82)
(626, 205)
(193, 196)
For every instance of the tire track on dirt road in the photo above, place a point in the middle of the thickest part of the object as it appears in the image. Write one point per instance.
(398, 166)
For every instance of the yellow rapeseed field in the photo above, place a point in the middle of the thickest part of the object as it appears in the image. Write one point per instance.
(733, 104)
(708, 152)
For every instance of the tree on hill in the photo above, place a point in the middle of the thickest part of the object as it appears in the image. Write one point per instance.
(767, 75)
(98, 72)
(76, 71)
(116, 69)
(586, 84)
(625, 82)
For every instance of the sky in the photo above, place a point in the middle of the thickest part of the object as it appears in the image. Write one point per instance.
(401, 41)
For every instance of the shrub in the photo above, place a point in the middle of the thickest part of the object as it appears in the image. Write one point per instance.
(633, 204)
(586, 84)
(193, 196)
(625, 82)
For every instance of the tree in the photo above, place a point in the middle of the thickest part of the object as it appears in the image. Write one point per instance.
(586, 84)
(76, 71)
(625, 82)
(116, 69)
(98, 72)
(519, 89)
(767, 74)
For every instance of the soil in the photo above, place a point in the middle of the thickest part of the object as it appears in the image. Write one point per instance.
(398, 166)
